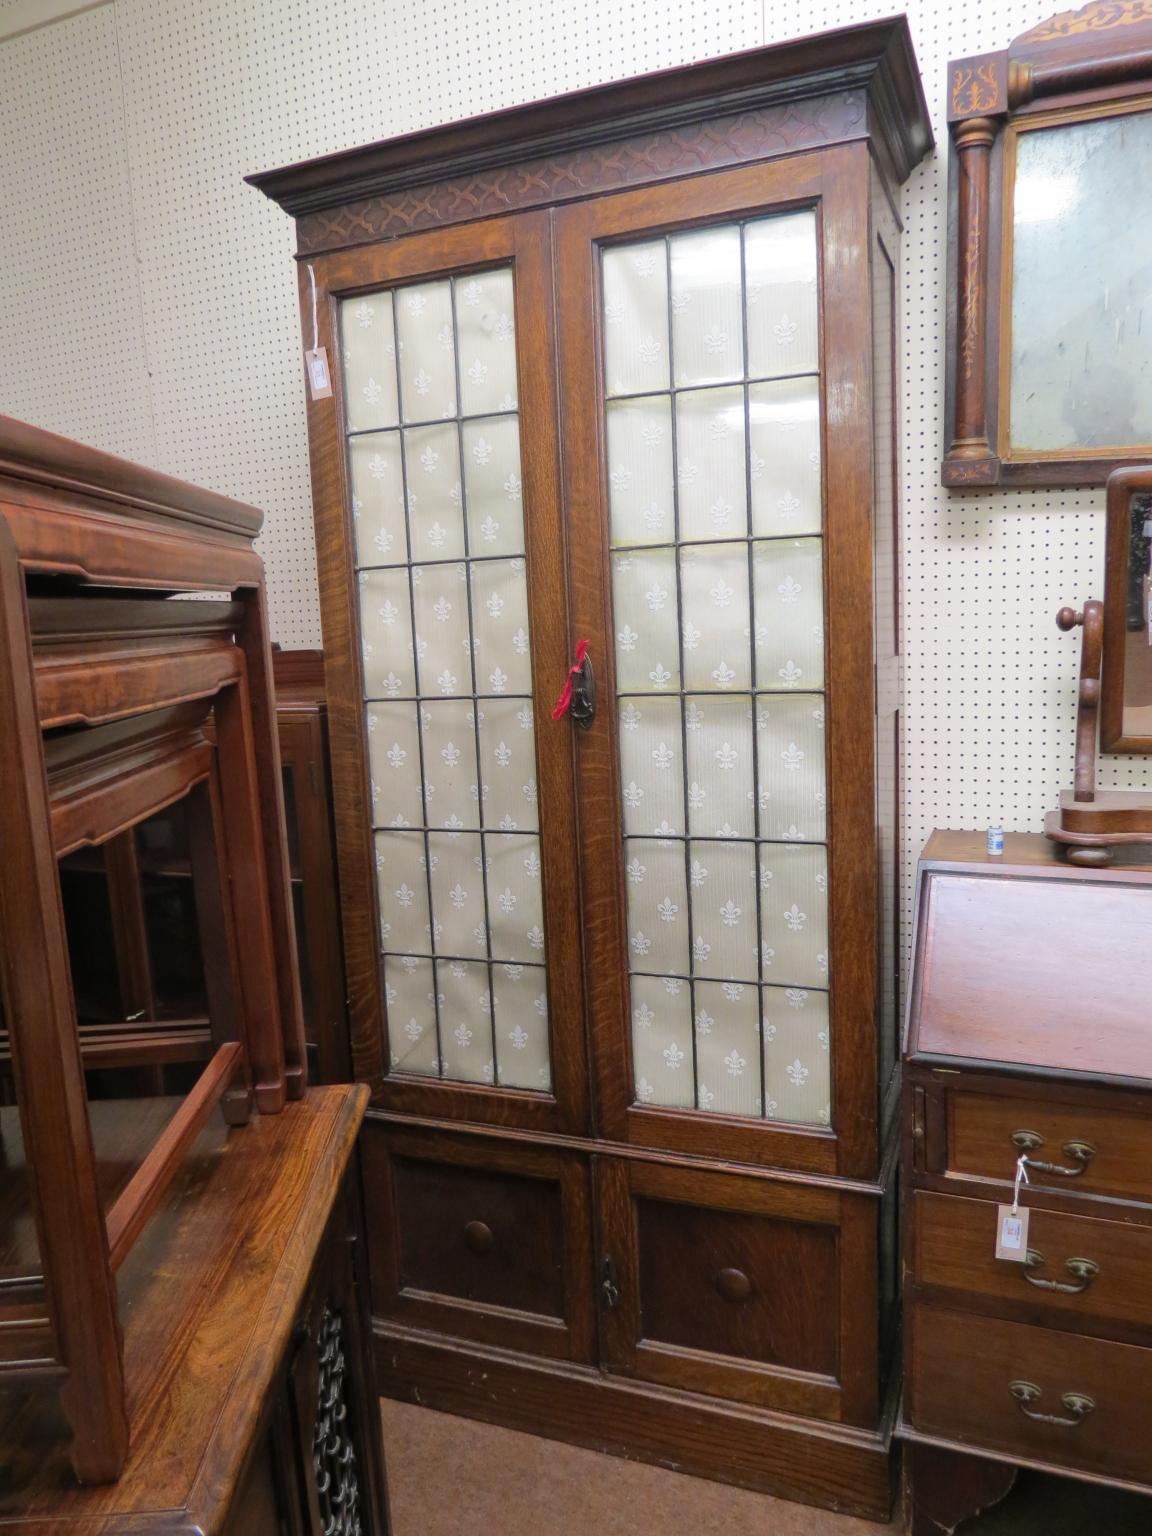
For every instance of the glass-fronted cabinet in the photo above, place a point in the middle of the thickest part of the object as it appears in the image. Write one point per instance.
(705, 508)
(607, 527)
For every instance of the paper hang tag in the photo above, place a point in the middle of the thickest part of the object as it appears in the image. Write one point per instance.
(1012, 1233)
(319, 379)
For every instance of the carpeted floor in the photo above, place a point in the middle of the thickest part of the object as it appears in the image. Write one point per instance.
(451, 1477)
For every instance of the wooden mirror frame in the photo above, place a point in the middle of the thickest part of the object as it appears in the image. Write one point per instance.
(1122, 486)
(1079, 65)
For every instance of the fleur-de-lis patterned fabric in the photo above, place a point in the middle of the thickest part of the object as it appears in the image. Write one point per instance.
(711, 357)
(437, 501)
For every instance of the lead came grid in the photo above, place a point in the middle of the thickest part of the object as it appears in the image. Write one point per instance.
(434, 467)
(711, 358)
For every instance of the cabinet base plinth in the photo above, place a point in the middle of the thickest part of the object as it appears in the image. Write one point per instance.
(835, 1467)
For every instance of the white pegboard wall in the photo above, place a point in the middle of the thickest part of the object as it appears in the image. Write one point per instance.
(203, 379)
(159, 296)
(72, 349)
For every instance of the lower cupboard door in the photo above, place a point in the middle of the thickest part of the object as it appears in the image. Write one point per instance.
(740, 1287)
(481, 1239)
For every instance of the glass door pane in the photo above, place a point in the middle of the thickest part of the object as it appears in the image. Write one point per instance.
(712, 431)
(434, 466)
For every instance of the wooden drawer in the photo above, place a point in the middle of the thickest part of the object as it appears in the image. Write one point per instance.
(959, 1387)
(485, 1239)
(738, 1287)
(981, 1128)
(954, 1248)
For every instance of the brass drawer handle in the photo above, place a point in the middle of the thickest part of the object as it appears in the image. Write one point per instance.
(1026, 1393)
(1085, 1271)
(1081, 1153)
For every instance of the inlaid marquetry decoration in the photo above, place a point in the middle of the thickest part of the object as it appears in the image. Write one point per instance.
(1100, 16)
(1048, 369)
(565, 173)
(437, 500)
(974, 88)
(711, 374)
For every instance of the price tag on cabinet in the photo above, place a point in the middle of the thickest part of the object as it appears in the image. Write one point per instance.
(1012, 1220)
(1012, 1233)
(319, 379)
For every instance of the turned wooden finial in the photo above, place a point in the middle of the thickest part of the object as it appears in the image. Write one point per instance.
(1068, 619)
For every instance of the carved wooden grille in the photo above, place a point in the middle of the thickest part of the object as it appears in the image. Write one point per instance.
(333, 1451)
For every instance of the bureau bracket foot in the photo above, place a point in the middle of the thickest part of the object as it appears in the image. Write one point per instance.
(943, 1488)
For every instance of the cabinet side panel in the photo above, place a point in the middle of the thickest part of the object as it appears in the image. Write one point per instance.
(887, 630)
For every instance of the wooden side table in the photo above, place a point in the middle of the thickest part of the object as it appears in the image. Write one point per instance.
(248, 1363)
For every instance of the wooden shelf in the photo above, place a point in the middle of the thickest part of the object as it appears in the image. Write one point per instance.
(85, 861)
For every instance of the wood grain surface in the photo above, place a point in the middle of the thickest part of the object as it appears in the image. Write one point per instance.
(209, 1296)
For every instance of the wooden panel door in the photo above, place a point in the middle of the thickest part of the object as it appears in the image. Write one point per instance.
(436, 482)
(739, 1287)
(481, 1239)
(716, 374)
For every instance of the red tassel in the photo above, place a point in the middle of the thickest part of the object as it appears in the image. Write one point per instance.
(564, 702)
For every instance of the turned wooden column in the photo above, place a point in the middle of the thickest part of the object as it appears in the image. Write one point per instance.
(974, 137)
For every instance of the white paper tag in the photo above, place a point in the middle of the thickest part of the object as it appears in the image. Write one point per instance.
(1012, 1233)
(319, 379)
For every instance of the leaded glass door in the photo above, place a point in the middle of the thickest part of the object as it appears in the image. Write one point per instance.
(454, 802)
(729, 969)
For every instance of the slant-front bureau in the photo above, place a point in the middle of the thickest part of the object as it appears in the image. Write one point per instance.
(1029, 1037)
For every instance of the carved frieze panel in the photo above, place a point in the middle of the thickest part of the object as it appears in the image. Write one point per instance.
(702, 146)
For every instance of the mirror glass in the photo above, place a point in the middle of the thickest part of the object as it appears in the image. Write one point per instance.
(1080, 364)
(1138, 619)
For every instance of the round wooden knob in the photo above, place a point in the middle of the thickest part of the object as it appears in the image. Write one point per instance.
(478, 1236)
(733, 1284)
(1068, 619)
